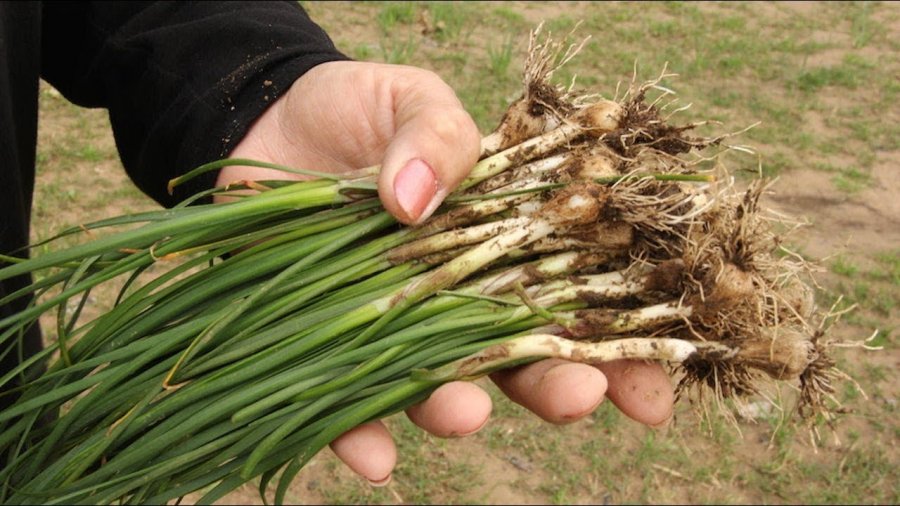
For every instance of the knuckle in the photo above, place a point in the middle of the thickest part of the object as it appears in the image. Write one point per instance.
(455, 127)
(445, 126)
(425, 76)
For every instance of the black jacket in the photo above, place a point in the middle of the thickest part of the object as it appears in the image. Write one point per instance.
(182, 83)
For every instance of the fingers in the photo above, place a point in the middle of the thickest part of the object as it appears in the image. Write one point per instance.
(641, 390)
(435, 145)
(454, 410)
(562, 392)
(556, 390)
(369, 451)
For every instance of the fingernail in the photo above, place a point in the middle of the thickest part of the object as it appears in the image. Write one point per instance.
(469, 433)
(574, 417)
(380, 483)
(415, 187)
(663, 425)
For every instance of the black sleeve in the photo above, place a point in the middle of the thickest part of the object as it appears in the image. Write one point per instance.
(183, 81)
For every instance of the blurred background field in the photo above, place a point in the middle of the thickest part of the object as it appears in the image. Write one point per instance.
(822, 79)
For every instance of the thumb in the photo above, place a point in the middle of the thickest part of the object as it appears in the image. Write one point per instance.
(434, 147)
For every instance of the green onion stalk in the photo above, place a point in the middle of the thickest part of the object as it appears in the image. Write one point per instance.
(248, 335)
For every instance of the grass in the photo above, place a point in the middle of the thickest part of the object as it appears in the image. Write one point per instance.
(848, 74)
(844, 266)
(500, 57)
(875, 287)
(394, 13)
(398, 52)
(822, 80)
(450, 20)
(848, 179)
(861, 27)
(889, 266)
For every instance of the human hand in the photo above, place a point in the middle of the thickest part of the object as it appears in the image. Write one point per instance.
(342, 116)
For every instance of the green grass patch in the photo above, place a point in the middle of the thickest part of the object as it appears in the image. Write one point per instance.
(844, 266)
(509, 15)
(865, 468)
(450, 20)
(850, 73)
(851, 180)
(862, 27)
(399, 52)
(395, 13)
(500, 56)
(889, 267)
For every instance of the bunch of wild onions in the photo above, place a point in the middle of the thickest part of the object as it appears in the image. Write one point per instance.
(265, 327)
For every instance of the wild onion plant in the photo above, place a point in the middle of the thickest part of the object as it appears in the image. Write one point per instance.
(248, 335)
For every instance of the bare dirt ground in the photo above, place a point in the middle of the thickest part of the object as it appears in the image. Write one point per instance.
(840, 224)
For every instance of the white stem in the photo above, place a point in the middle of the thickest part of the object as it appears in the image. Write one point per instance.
(454, 238)
(494, 141)
(514, 179)
(539, 346)
(463, 215)
(564, 290)
(674, 350)
(545, 268)
(656, 314)
(491, 143)
(478, 257)
(611, 290)
(596, 322)
(528, 208)
(574, 206)
(611, 237)
(528, 150)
